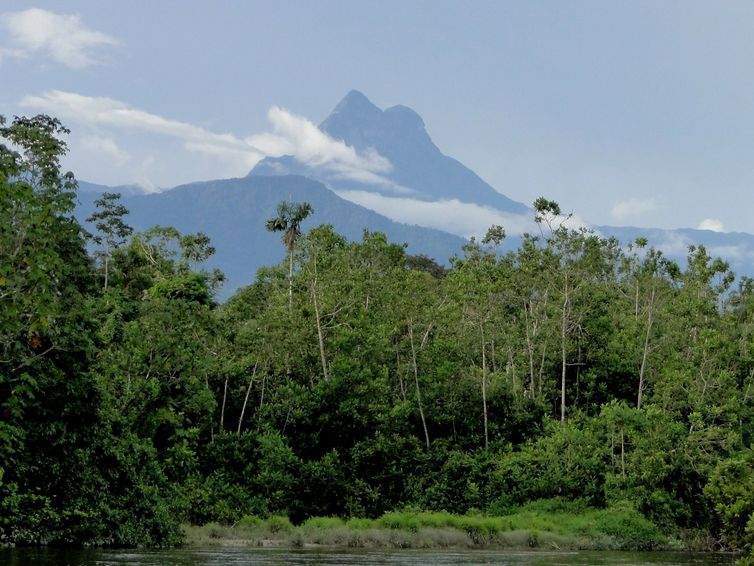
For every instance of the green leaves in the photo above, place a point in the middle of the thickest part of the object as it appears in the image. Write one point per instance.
(731, 492)
(289, 217)
(364, 381)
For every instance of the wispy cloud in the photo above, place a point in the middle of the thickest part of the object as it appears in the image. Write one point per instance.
(632, 209)
(105, 146)
(712, 224)
(297, 136)
(290, 135)
(114, 116)
(460, 218)
(63, 38)
(673, 244)
(732, 253)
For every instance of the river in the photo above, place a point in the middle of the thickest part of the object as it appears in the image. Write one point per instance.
(326, 557)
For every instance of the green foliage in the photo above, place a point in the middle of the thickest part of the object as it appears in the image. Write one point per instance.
(190, 287)
(632, 528)
(620, 527)
(731, 492)
(289, 217)
(570, 461)
(112, 231)
(610, 387)
(461, 483)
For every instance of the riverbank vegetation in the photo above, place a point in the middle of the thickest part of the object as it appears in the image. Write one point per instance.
(356, 381)
(549, 525)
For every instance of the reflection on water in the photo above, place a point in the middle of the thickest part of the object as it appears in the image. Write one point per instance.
(212, 556)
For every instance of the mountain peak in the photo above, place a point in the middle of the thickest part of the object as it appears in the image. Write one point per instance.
(405, 117)
(361, 124)
(355, 103)
(398, 135)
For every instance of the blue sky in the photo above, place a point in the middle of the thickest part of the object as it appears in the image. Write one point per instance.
(637, 113)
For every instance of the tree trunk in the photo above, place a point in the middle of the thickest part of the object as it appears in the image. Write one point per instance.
(290, 282)
(400, 374)
(484, 387)
(107, 264)
(541, 369)
(246, 400)
(532, 325)
(222, 409)
(261, 394)
(645, 353)
(320, 334)
(529, 349)
(512, 366)
(563, 332)
(416, 380)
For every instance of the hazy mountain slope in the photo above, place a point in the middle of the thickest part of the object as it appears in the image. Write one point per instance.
(737, 248)
(124, 190)
(232, 213)
(397, 134)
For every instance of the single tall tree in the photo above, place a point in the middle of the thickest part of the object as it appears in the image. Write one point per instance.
(289, 217)
(111, 230)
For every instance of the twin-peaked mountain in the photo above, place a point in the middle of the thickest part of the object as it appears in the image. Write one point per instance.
(417, 168)
(385, 161)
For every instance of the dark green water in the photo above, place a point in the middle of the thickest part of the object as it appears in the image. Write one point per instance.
(211, 556)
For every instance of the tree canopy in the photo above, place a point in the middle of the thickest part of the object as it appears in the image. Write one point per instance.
(354, 379)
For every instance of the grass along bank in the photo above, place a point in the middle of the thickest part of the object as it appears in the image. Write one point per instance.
(532, 526)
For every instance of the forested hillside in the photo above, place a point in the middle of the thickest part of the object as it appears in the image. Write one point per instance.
(232, 213)
(355, 379)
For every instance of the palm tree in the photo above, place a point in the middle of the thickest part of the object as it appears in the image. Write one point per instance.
(289, 217)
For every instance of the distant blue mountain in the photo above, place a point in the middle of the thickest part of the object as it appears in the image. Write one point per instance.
(232, 213)
(737, 248)
(397, 134)
(124, 190)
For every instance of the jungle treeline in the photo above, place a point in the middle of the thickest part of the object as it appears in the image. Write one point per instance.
(353, 379)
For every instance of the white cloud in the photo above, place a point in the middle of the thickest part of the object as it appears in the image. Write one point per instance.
(6, 52)
(64, 38)
(633, 208)
(301, 138)
(291, 135)
(673, 244)
(460, 218)
(106, 147)
(730, 253)
(102, 113)
(143, 179)
(712, 224)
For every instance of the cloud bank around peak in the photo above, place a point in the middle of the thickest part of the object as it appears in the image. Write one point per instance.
(128, 132)
(301, 138)
(633, 209)
(460, 218)
(712, 224)
(295, 135)
(63, 38)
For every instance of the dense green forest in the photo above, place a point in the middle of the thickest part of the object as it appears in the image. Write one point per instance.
(353, 379)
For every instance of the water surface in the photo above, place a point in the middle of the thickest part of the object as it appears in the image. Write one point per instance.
(269, 556)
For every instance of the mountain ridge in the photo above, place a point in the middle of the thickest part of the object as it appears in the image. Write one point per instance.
(232, 212)
(399, 135)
